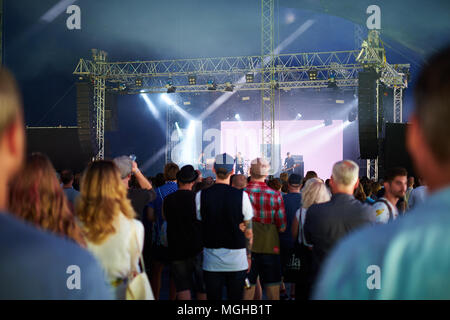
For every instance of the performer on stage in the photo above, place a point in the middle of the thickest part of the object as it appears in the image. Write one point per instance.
(289, 164)
(201, 162)
(239, 163)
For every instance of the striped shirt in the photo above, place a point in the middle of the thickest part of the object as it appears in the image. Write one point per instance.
(268, 205)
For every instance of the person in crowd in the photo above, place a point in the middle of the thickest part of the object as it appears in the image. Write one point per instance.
(275, 184)
(67, 179)
(284, 177)
(376, 187)
(385, 208)
(107, 219)
(327, 223)
(76, 182)
(141, 196)
(239, 181)
(159, 252)
(367, 187)
(159, 180)
(314, 192)
(411, 182)
(269, 219)
(411, 253)
(359, 193)
(35, 264)
(226, 253)
(184, 236)
(292, 201)
(418, 195)
(309, 175)
(36, 197)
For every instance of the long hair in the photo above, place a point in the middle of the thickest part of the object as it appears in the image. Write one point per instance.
(313, 192)
(37, 197)
(103, 197)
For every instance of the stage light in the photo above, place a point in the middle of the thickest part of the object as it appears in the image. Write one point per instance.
(212, 85)
(150, 105)
(170, 87)
(237, 116)
(138, 82)
(249, 77)
(229, 87)
(312, 74)
(299, 115)
(192, 80)
(122, 87)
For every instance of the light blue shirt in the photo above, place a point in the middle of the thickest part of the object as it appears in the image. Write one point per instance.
(412, 253)
(417, 196)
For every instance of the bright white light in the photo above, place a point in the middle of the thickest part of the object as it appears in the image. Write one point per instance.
(237, 116)
(299, 115)
(150, 105)
(180, 133)
(290, 18)
(165, 97)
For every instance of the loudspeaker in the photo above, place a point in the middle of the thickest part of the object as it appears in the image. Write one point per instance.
(395, 153)
(367, 114)
(86, 118)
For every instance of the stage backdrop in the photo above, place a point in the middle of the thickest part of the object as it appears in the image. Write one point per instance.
(320, 145)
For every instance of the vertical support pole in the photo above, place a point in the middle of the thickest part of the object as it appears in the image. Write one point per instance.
(99, 101)
(268, 80)
(398, 104)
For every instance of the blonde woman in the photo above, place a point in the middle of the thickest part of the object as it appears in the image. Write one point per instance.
(107, 219)
(314, 191)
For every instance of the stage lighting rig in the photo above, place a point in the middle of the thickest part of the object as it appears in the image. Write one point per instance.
(192, 80)
(212, 85)
(249, 77)
(229, 87)
(312, 74)
(170, 87)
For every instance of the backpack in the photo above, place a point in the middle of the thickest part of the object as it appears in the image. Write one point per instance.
(391, 216)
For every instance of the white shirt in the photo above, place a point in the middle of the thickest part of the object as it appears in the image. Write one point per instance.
(222, 259)
(116, 253)
(382, 211)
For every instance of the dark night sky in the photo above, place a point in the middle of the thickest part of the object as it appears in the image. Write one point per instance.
(43, 55)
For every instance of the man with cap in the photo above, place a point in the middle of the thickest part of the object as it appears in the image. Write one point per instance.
(139, 197)
(184, 236)
(226, 253)
(292, 201)
(269, 219)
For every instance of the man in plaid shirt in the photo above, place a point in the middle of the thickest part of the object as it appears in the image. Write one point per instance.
(268, 209)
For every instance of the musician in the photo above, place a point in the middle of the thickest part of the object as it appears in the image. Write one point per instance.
(289, 163)
(239, 161)
(201, 162)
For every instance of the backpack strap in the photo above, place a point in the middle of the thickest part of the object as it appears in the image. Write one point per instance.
(391, 217)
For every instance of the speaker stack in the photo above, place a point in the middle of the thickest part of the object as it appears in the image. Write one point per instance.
(86, 118)
(367, 114)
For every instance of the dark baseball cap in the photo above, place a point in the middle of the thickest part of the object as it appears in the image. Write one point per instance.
(295, 179)
(224, 161)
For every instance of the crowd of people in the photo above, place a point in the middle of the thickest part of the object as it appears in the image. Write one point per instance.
(233, 237)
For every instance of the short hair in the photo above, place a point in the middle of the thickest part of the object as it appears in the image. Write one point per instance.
(170, 171)
(275, 184)
(239, 181)
(345, 172)
(395, 172)
(10, 99)
(66, 176)
(259, 168)
(432, 100)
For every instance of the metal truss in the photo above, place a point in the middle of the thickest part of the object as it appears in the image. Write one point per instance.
(372, 169)
(270, 73)
(99, 101)
(398, 98)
